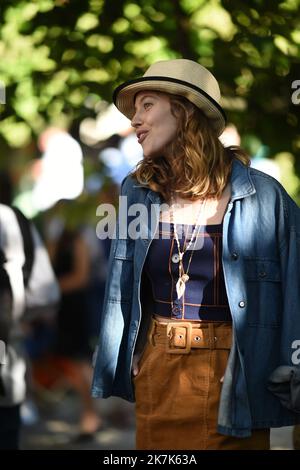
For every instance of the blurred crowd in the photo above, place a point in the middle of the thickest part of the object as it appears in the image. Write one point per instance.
(49, 354)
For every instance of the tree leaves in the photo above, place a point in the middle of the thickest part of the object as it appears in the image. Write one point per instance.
(55, 53)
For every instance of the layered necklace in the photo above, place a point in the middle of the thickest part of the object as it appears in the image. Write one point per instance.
(183, 276)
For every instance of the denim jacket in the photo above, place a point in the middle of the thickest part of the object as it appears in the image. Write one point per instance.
(261, 263)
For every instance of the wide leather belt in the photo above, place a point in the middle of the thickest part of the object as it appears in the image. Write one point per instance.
(180, 337)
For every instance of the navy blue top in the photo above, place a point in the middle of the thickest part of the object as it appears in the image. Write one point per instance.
(205, 295)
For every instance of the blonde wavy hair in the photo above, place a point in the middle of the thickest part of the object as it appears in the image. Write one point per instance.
(198, 165)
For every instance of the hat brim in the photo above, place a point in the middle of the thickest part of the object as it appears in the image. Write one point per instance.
(124, 96)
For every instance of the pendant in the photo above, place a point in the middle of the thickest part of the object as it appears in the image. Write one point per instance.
(180, 285)
(175, 258)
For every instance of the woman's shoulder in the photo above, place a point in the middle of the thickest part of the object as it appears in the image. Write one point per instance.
(263, 177)
(130, 183)
(270, 189)
(128, 180)
(264, 181)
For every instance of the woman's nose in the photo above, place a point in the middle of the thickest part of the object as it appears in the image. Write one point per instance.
(136, 120)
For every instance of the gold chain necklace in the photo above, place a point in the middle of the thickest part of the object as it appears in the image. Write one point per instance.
(183, 276)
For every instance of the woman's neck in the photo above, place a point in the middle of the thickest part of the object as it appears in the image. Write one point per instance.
(185, 210)
(181, 201)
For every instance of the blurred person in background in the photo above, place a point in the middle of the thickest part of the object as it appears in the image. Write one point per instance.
(71, 259)
(28, 292)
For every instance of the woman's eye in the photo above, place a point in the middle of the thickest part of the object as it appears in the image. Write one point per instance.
(147, 105)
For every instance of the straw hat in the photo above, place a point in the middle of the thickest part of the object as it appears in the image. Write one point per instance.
(179, 77)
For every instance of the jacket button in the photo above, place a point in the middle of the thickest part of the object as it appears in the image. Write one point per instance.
(234, 256)
(242, 304)
(262, 274)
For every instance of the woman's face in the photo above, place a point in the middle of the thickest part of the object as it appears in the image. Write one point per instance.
(154, 124)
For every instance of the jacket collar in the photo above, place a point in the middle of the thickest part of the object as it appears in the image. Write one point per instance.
(241, 181)
(241, 184)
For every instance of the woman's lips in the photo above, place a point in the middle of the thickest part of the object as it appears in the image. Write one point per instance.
(142, 137)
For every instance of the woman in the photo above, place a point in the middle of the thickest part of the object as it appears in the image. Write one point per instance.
(203, 305)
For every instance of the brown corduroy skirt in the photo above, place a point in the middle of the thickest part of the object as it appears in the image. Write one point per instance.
(177, 393)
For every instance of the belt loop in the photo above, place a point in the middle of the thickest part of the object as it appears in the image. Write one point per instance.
(211, 336)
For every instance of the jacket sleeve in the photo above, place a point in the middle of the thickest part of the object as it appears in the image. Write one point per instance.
(110, 335)
(283, 381)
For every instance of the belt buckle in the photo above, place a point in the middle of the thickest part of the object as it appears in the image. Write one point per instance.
(188, 338)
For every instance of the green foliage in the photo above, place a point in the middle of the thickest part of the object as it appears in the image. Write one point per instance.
(55, 54)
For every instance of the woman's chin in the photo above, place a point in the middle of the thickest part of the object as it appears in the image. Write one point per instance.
(153, 154)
